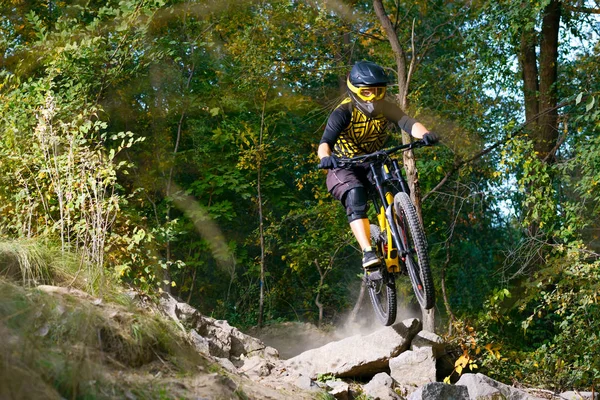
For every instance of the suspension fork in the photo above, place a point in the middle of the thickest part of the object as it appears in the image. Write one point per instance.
(398, 172)
(390, 212)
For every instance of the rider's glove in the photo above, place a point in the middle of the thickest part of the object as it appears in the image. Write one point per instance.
(430, 138)
(328, 162)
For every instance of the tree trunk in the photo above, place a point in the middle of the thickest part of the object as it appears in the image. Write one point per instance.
(317, 302)
(548, 123)
(529, 72)
(399, 55)
(539, 85)
(342, 57)
(261, 301)
(404, 75)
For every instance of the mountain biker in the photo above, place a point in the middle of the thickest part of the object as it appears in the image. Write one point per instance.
(359, 126)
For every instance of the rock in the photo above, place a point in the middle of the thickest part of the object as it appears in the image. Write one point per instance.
(579, 396)
(256, 367)
(339, 389)
(414, 368)
(381, 387)
(200, 344)
(304, 382)
(482, 387)
(226, 364)
(222, 340)
(440, 391)
(68, 291)
(425, 339)
(358, 355)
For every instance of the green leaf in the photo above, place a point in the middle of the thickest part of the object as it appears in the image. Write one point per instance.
(590, 104)
(578, 99)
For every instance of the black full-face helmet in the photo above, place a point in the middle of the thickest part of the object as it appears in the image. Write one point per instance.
(367, 83)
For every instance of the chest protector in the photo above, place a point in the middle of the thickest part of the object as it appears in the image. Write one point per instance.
(363, 134)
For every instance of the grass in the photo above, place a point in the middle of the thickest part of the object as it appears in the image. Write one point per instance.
(70, 349)
(59, 346)
(25, 260)
(40, 262)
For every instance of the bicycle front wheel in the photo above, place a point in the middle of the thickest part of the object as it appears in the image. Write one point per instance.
(416, 257)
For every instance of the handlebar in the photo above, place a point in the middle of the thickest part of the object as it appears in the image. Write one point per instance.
(379, 155)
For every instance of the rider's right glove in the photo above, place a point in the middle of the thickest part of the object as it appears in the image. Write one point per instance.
(430, 138)
(328, 162)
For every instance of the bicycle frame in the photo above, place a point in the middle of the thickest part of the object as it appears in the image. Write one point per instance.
(388, 181)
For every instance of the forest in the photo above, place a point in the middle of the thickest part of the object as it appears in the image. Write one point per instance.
(171, 146)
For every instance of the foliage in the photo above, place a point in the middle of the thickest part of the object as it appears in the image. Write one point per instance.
(133, 135)
(564, 322)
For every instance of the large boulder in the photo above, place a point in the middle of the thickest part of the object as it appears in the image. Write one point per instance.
(426, 339)
(357, 356)
(482, 387)
(414, 367)
(440, 391)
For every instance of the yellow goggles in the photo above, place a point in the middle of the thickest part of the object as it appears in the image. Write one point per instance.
(367, 93)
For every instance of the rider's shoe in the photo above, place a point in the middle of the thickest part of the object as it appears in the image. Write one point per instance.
(370, 259)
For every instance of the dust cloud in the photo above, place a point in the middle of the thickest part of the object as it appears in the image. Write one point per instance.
(293, 338)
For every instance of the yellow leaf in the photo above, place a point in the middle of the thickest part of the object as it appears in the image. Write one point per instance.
(447, 380)
(459, 369)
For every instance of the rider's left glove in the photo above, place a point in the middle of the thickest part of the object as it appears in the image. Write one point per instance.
(328, 162)
(430, 138)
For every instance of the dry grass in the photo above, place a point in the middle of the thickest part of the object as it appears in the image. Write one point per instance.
(25, 260)
(58, 345)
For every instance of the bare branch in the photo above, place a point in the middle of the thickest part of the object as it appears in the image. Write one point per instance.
(585, 10)
(369, 35)
(459, 163)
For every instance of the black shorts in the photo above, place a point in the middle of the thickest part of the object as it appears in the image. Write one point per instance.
(341, 180)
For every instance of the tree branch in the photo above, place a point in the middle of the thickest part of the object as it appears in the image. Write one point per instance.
(586, 10)
(459, 163)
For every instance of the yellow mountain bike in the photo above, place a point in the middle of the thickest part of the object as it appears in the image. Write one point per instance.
(398, 236)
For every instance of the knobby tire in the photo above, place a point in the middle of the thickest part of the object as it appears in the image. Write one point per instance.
(417, 260)
(382, 292)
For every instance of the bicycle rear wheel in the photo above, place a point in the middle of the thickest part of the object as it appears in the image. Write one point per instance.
(417, 259)
(382, 291)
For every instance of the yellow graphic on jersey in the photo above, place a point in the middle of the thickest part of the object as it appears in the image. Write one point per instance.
(363, 135)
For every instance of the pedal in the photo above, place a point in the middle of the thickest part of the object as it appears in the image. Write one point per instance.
(374, 275)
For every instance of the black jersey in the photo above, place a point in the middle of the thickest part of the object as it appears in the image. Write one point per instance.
(350, 133)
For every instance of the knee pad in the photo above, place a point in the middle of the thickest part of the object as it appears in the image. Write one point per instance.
(355, 202)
